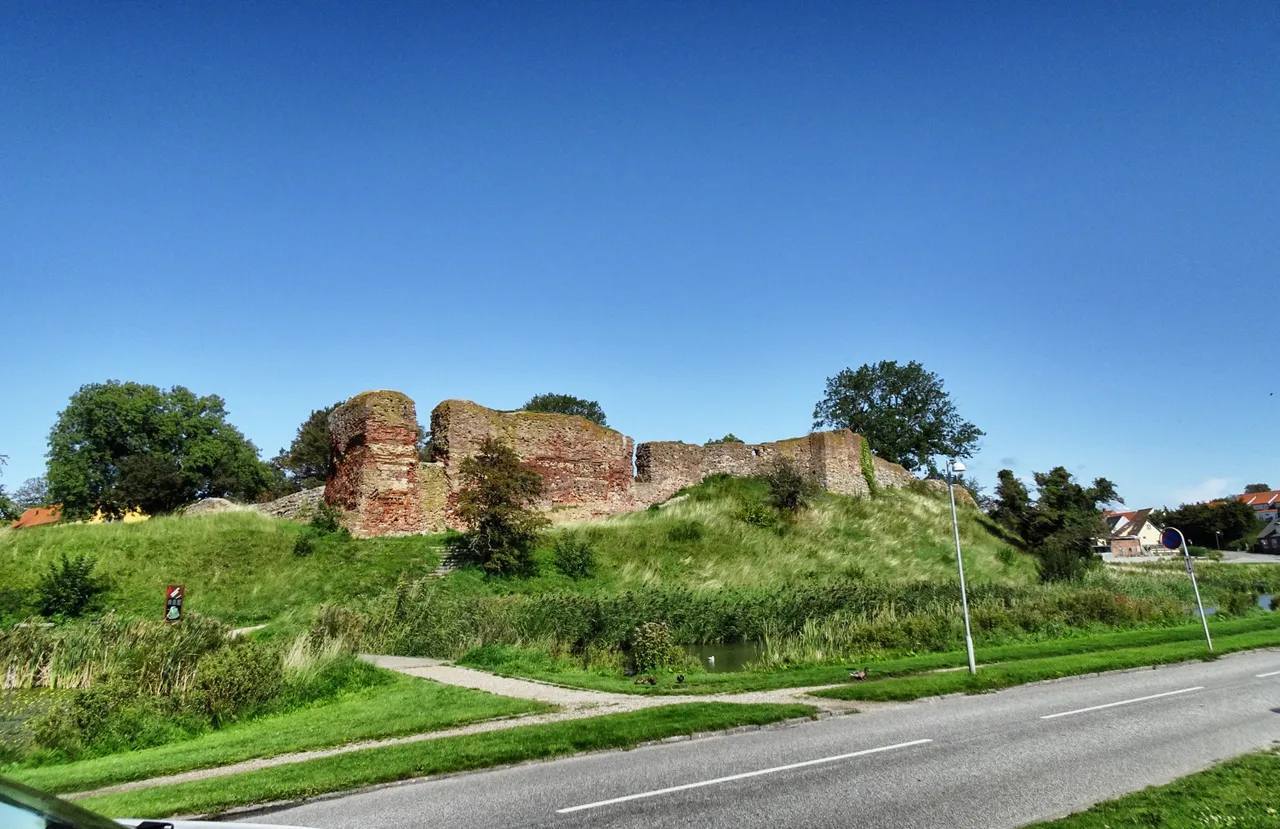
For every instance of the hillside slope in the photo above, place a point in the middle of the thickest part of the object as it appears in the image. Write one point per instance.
(240, 566)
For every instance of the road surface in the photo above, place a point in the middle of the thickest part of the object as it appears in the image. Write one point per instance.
(996, 760)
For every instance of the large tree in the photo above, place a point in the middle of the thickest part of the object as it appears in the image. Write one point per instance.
(1252, 489)
(1063, 521)
(901, 409)
(306, 461)
(1213, 523)
(566, 404)
(119, 446)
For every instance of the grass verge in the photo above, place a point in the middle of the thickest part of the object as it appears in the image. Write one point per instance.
(1244, 792)
(1004, 675)
(531, 664)
(449, 754)
(404, 705)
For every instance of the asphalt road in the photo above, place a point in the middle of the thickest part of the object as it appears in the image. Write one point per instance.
(996, 760)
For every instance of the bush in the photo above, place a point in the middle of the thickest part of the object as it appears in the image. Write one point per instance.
(237, 679)
(756, 514)
(789, 488)
(304, 546)
(1007, 555)
(869, 468)
(575, 557)
(685, 531)
(69, 588)
(326, 519)
(653, 648)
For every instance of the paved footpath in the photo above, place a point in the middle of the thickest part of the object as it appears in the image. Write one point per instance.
(993, 760)
(572, 704)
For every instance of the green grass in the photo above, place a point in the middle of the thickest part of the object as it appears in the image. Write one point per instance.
(404, 705)
(1242, 793)
(1004, 675)
(901, 535)
(449, 754)
(531, 664)
(238, 566)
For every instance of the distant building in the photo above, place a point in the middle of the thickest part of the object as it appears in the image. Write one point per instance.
(1131, 533)
(1269, 539)
(1266, 505)
(36, 516)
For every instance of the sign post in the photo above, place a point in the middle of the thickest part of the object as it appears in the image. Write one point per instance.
(174, 595)
(1172, 539)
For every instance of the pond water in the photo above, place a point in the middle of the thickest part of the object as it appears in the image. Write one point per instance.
(732, 656)
(1264, 602)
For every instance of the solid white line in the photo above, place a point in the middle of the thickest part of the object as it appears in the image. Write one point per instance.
(1273, 673)
(1122, 702)
(742, 776)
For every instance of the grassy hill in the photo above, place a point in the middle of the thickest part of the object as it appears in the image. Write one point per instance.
(240, 566)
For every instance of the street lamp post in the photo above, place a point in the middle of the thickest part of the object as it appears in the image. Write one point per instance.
(954, 466)
(1217, 535)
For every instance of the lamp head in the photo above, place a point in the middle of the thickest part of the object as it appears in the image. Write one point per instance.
(957, 466)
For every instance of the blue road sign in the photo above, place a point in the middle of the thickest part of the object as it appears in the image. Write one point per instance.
(1171, 539)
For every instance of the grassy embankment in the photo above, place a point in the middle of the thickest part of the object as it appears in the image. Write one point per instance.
(237, 566)
(1242, 793)
(449, 754)
(1051, 658)
(403, 705)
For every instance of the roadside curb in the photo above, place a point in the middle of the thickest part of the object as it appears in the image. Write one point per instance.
(278, 805)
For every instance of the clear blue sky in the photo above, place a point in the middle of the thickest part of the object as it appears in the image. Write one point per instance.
(693, 213)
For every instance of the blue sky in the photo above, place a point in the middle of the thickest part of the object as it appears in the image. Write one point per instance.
(693, 213)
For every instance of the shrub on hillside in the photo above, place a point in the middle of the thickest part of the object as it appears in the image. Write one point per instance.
(756, 514)
(790, 488)
(304, 546)
(496, 503)
(685, 531)
(237, 679)
(69, 588)
(653, 648)
(326, 519)
(574, 556)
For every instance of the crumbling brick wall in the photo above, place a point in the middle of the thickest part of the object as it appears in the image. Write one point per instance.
(833, 458)
(373, 473)
(587, 468)
(590, 471)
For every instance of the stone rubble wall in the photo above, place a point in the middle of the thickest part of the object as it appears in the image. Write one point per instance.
(590, 471)
(373, 473)
(298, 506)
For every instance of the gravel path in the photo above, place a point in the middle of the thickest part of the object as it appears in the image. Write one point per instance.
(573, 704)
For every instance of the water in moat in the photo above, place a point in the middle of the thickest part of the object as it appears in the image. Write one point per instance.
(733, 656)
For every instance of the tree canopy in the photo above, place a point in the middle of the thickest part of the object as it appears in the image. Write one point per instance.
(1061, 525)
(1255, 488)
(566, 404)
(1209, 524)
(729, 438)
(902, 410)
(120, 446)
(306, 461)
(34, 492)
(9, 511)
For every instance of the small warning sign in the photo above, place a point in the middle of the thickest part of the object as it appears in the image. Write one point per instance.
(174, 595)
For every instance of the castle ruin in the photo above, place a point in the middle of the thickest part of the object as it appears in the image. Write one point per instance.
(590, 471)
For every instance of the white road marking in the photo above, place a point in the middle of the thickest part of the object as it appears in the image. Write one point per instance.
(1121, 702)
(1273, 673)
(742, 776)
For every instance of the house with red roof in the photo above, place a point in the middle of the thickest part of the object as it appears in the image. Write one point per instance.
(1266, 505)
(37, 516)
